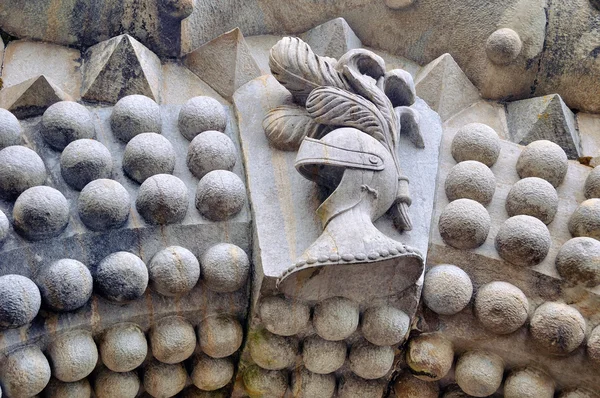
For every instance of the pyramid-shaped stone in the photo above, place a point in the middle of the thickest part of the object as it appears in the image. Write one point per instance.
(224, 63)
(332, 39)
(118, 67)
(445, 87)
(544, 118)
(31, 97)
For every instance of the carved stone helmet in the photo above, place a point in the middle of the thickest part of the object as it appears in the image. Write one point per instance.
(357, 167)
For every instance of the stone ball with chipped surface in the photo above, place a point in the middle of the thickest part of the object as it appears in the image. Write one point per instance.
(271, 351)
(528, 383)
(64, 122)
(591, 189)
(40, 213)
(476, 141)
(66, 285)
(10, 129)
(336, 318)
(148, 154)
(406, 385)
(430, 356)
(123, 347)
(220, 195)
(370, 361)
(323, 356)
(501, 307)
(104, 204)
(283, 316)
(220, 336)
(133, 115)
(201, 114)
(260, 383)
(557, 327)
(578, 261)
(25, 372)
(164, 380)
(174, 271)
(4, 226)
(447, 289)
(585, 220)
(121, 277)
(20, 169)
(543, 159)
(523, 241)
(83, 161)
(351, 386)
(210, 150)
(73, 355)
(471, 180)
(162, 199)
(225, 267)
(20, 301)
(479, 373)
(60, 389)
(306, 384)
(503, 46)
(464, 224)
(385, 325)
(172, 339)
(533, 196)
(210, 374)
(108, 384)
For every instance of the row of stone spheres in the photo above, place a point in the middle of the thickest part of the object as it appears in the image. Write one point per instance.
(266, 200)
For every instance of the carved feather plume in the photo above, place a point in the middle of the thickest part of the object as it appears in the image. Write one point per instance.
(287, 125)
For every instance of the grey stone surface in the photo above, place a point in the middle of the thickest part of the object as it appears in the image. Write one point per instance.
(322, 356)
(200, 114)
(585, 220)
(10, 132)
(332, 39)
(66, 285)
(523, 240)
(103, 204)
(479, 373)
(20, 169)
(544, 118)
(503, 46)
(261, 382)
(174, 271)
(528, 383)
(557, 327)
(20, 300)
(476, 141)
(533, 196)
(429, 356)
(307, 384)
(220, 336)
(73, 355)
(270, 351)
(464, 224)
(385, 325)
(84, 161)
(123, 347)
(172, 340)
(336, 318)
(77, 389)
(225, 268)
(110, 384)
(578, 261)
(220, 195)
(148, 154)
(543, 159)
(135, 114)
(210, 374)
(471, 180)
(447, 289)
(407, 385)
(31, 97)
(162, 199)
(164, 380)
(121, 277)
(25, 372)
(369, 361)
(210, 150)
(284, 317)
(501, 307)
(40, 213)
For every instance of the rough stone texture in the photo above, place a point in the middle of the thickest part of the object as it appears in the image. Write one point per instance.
(588, 125)
(121, 277)
(270, 351)
(4, 226)
(370, 361)
(179, 84)
(528, 383)
(164, 380)
(476, 141)
(352, 386)
(585, 220)
(25, 372)
(283, 317)
(333, 39)
(73, 356)
(429, 356)
(503, 46)
(65, 122)
(112, 384)
(544, 118)
(447, 289)
(501, 307)
(83, 161)
(533, 196)
(123, 347)
(578, 261)
(264, 383)
(20, 301)
(464, 224)
(210, 374)
(174, 271)
(593, 345)
(40, 213)
(135, 114)
(471, 180)
(148, 154)
(592, 184)
(200, 114)
(323, 356)
(385, 325)
(557, 327)
(543, 159)
(59, 389)
(162, 199)
(408, 386)
(306, 384)
(172, 340)
(31, 97)
(220, 336)
(20, 169)
(335, 318)
(225, 268)
(225, 63)
(578, 393)
(10, 129)
(210, 150)
(523, 241)
(479, 373)
(104, 204)
(220, 195)
(66, 285)
(119, 67)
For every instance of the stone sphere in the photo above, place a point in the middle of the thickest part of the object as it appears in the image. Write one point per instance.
(430, 356)
(464, 224)
(385, 325)
(64, 122)
(578, 393)
(123, 347)
(25, 372)
(323, 356)
(503, 46)
(260, 383)
(60, 389)
(585, 220)
(10, 129)
(471, 180)
(336, 318)
(447, 289)
(210, 150)
(122, 276)
(454, 391)
(270, 351)
(220, 195)
(534, 197)
(104, 204)
(40, 213)
(174, 271)
(201, 114)
(220, 336)
(20, 301)
(476, 141)
(148, 154)
(193, 392)
(225, 268)
(20, 169)
(66, 285)
(543, 159)
(528, 383)
(370, 361)
(591, 189)
(523, 241)
(282, 316)
(306, 384)
(210, 374)
(408, 386)
(73, 355)
(4, 226)
(578, 261)
(133, 115)
(593, 345)
(112, 384)
(501, 308)
(162, 199)
(352, 387)
(164, 380)
(557, 327)
(479, 373)
(84, 161)
(173, 339)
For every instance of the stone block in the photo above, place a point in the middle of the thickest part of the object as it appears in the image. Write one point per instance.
(486, 112)
(179, 84)
(589, 133)
(332, 39)
(31, 97)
